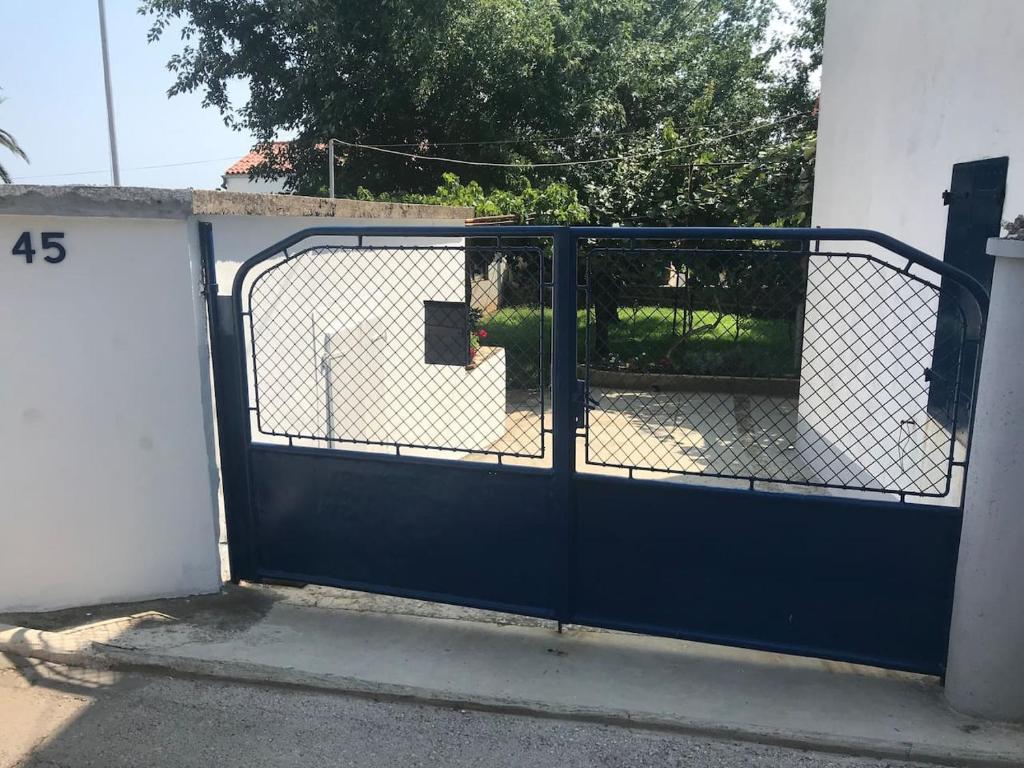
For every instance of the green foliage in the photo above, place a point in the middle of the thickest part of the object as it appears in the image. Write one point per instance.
(646, 339)
(691, 91)
(7, 142)
(807, 41)
(555, 203)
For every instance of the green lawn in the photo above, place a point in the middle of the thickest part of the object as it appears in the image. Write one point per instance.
(643, 339)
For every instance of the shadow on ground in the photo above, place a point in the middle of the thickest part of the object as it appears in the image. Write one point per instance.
(233, 608)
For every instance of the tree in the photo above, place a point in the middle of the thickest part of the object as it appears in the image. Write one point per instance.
(688, 96)
(8, 142)
(670, 83)
(555, 203)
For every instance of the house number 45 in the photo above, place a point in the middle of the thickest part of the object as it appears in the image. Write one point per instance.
(51, 242)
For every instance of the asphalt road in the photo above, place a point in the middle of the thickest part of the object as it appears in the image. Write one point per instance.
(57, 717)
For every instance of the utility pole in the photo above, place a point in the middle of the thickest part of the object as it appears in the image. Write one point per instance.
(115, 170)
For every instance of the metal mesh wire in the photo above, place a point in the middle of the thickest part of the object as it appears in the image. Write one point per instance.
(348, 346)
(777, 366)
(734, 361)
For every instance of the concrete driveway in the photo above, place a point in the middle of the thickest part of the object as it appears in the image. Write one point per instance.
(61, 717)
(701, 433)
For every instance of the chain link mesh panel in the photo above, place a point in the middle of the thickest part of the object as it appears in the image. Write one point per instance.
(725, 360)
(728, 361)
(426, 346)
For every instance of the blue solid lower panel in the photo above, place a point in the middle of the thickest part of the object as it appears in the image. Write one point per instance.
(854, 580)
(450, 531)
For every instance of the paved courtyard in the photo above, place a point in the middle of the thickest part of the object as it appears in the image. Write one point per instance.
(709, 433)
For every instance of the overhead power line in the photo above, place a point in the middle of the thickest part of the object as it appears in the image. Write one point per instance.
(534, 140)
(538, 140)
(136, 168)
(565, 163)
(384, 148)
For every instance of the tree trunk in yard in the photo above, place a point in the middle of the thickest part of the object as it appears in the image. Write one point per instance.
(605, 299)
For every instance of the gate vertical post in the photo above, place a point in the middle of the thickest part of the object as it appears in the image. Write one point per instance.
(230, 407)
(563, 409)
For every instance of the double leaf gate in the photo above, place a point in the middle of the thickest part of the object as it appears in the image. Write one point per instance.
(729, 435)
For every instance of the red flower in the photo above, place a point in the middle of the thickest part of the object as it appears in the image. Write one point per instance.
(482, 333)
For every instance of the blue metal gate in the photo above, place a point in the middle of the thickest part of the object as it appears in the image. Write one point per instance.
(715, 434)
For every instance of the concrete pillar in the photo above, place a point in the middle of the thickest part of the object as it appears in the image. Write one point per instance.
(985, 674)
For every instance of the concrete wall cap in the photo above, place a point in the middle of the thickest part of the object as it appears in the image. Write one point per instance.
(1005, 247)
(82, 200)
(154, 203)
(219, 203)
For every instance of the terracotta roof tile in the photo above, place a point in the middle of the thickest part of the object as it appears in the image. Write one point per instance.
(254, 158)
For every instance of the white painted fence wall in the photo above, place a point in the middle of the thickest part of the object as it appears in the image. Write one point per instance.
(106, 464)
(107, 454)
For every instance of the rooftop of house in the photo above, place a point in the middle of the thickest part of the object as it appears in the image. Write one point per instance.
(243, 166)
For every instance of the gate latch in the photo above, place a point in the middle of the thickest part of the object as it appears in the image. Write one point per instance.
(582, 402)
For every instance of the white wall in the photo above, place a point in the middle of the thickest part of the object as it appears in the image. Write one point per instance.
(370, 305)
(242, 183)
(909, 88)
(237, 237)
(107, 454)
(394, 396)
(104, 438)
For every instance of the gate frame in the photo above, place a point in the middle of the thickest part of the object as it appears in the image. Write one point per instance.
(230, 368)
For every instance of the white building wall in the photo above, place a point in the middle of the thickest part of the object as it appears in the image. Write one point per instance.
(107, 453)
(908, 89)
(242, 183)
(104, 440)
(382, 390)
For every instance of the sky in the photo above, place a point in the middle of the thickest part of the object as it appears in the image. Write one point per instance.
(51, 76)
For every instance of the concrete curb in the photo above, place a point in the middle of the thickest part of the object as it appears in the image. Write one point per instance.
(57, 647)
(83, 650)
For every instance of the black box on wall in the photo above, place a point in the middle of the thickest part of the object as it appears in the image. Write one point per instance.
(446, 332)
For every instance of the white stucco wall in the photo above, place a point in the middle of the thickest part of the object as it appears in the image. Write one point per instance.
(908, 89)
(237, 237)
(107, 453)
(105, 460)
(367, 305)
(242, 183)
(395, 396)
